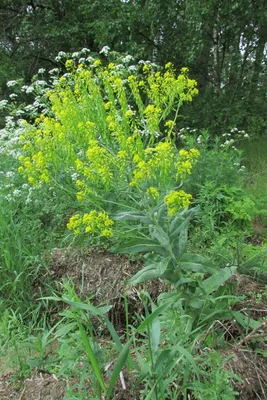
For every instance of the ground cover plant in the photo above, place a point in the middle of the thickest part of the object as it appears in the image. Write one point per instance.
(98, 162)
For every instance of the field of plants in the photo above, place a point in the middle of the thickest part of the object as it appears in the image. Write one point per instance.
(132, 246)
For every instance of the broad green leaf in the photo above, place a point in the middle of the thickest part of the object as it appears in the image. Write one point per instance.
(245, 321)
(223, 314)
(132, 216)
(196, 303)
(182, 242)
(151, 271)
(191, 266)
(183, 280)
(182, 227)
(198, 259)
(176, 223)
(181, 222)
(144, 368)
(211, 284)
(140, 246)
(160, 236)
(155, 330)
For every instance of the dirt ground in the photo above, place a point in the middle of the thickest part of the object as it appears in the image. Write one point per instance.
(102, 274)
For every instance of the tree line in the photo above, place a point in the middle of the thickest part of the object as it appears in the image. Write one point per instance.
(222, 42)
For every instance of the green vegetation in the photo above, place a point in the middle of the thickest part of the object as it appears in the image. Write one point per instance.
(96, 162)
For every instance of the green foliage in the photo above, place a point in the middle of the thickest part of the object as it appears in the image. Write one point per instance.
(198, 284)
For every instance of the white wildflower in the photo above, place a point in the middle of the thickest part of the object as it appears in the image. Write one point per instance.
(16, 193)
(3, 104)
(90, 59)
(85, 50)
(127, 59)
(11, 83)
(40, 83)
(53, 71)
(24, 88)
(76, 54)
(29, 89)
(29, 108)
(104, 50)
(74, 176)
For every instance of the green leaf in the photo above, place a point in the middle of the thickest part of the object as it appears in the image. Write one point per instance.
(183, 280)
(81, 306)
(155, 330)
(113, 333)
(91, 357)
(196, 258)
(175, 234)
(151, 271)
(182, 242)
(152, 316)
(196, 263)
(211, 284)
(196, 303)
(245, 321)
(187, 355)
(132, 216)
(121, 361)
(87, 307)
(160, 236)
(164, 356)
(65, 329)
(140, 246)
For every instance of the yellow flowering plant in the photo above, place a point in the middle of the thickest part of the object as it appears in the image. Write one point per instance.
(109, 138)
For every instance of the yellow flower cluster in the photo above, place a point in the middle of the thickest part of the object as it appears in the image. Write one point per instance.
(94, 223)
(162, 162)
(186, 161)
(34, 168)
(104, 127)
(177, 200)
(96, 170)
(152, 193)
(157, 163)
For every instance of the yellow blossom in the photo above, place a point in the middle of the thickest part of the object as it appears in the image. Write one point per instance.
(176, 200)
(152, 193)
(97, 63)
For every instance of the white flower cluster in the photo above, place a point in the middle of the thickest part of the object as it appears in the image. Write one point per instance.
(3, 104)
(61, 56)
(11, 83)
(105, 50)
